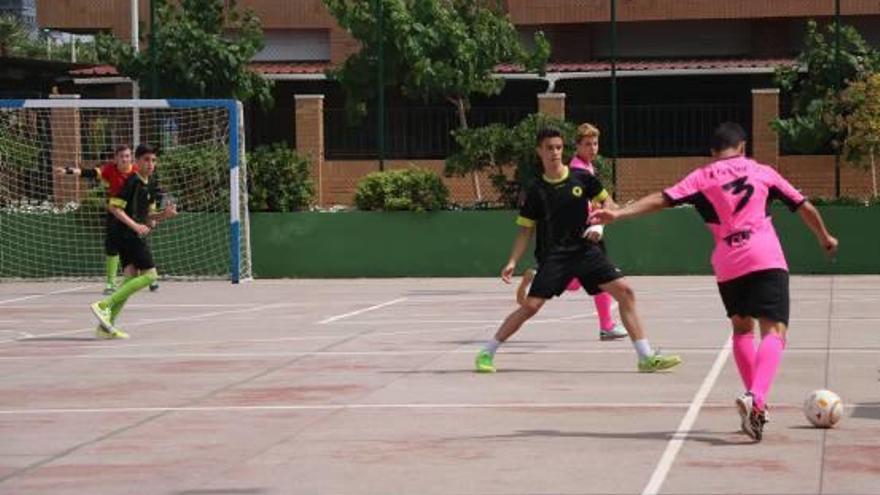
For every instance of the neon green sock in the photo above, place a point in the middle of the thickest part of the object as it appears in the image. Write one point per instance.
(130, 286)
(112, 268)
(117, 308)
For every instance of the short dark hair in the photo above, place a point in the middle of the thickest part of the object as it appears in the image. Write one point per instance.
(727, 135)
(144, 149)
(546, 133)
(119, 149)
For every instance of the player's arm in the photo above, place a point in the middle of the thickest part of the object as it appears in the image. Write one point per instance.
(813, 219)
(649, 204)
(603, 200)
(168, 212)
(520, 244)
(88, 173)
(116, 209)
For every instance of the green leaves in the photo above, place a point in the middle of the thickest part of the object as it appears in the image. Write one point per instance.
(508, 153)
(201, 51)
(433, 49)
(278, 179)
(815, 104)
(401, 190)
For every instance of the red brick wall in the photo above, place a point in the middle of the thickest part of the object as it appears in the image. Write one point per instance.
(637, 177)
(342, 176)
(814, 176)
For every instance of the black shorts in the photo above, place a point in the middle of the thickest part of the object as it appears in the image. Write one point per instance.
(109, 244)
(762, 294)
(132, 250)
(591, 267)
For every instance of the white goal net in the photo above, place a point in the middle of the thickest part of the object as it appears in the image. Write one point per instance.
(53, 220)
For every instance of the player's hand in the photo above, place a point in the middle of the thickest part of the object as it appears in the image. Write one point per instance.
(829, 244)
(75, 171)
(603, 216)
(507, 272)
(170, 210)
(594, 233)
(153, 223)
(141, 229)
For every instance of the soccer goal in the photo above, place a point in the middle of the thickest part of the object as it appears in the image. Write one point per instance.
(52, 221)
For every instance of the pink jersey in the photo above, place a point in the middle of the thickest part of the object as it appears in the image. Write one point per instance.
(576, 162)
(733, 196)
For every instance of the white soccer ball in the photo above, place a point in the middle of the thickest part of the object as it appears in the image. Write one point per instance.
(823, 408)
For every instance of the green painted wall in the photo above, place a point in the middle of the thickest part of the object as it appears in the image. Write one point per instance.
(476, 244)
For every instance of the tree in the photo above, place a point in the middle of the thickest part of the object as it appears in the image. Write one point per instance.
(201, 50)
(859, 122)
(12, 34)
(432, 49)
(814, 91)
(495, 148)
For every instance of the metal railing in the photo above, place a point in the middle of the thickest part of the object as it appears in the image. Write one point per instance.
(411, 132)
(664, 129)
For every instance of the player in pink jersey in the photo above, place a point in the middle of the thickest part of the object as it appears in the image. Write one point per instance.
(587, 147)
(733, 195)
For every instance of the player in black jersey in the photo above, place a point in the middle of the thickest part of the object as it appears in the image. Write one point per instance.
(556, 207)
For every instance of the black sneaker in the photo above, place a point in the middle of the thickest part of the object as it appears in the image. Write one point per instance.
(756, 424)
(154, 286)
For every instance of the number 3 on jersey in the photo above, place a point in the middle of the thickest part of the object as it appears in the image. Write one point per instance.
(737, 187)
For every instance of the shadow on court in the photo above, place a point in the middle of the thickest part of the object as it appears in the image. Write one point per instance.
(703, 436)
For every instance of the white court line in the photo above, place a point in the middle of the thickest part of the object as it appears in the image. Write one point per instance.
(687, 422)
(151, 322)
(337, 407)
(378, 407)
(62, 291)
(509, 352)
(361, 311)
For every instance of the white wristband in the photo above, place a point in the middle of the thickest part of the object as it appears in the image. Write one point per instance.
(600, 229)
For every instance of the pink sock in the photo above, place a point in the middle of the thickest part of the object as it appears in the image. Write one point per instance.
(744, 354)
(603, 302)
(766, 362)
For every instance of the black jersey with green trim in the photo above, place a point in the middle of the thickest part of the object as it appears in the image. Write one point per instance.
(559, 209)
(137, 198)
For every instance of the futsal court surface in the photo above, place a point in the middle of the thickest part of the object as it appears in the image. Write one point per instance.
(367, 387)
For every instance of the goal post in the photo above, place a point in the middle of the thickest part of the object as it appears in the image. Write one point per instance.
(53, 215)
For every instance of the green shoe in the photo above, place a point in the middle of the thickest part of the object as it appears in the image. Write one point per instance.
(484, 363)
(114, 333)
(658, 362)
(103, 315)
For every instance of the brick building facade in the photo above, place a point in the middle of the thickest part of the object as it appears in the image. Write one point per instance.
(684, 65)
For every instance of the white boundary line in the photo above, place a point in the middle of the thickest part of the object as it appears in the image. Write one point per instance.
(360, 311)
(25, 298)
(379, 407)
(152, 321)
(687, 422)
(337, 407)
(509, 352)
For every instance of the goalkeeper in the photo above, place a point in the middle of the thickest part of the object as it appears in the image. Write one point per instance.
(132, 216)
(113, 176)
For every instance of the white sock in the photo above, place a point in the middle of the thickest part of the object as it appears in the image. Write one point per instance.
(492, 346)
(643, 348)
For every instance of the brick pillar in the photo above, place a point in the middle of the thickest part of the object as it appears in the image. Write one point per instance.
(552, 104)
(309, 115)
(66, 150)
(765, 142)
